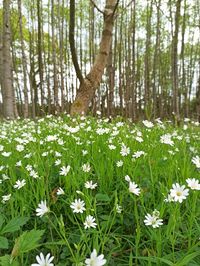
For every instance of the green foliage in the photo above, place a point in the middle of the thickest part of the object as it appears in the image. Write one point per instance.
(3, 242)
(14, 225)
(7, 260)
(27, 242)
(120, 232)
(15, 25)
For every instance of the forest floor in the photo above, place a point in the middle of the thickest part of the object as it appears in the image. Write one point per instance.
(93, 192)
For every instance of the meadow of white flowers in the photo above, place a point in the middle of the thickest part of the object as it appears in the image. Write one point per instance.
(86, 191)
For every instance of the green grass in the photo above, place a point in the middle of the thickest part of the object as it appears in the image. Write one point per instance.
(123, 238)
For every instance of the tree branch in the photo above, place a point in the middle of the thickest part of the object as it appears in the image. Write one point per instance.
(94, 4)
(72, 41)
(115, 8)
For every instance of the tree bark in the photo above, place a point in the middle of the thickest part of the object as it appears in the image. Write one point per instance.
(24, 61)
(90, 83)
(7, 82)
(175, 82)
(54, 61)
(39, 51)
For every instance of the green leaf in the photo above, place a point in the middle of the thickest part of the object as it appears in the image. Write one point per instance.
(187, 259)
(14, 225)
(3, 242)
(1, 220)
(8, 261)
(156, 259)
(26, 242)
(102, 197)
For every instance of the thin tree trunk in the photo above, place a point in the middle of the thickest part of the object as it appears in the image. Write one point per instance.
(1, 61)
(55, 72)
(147, 79)
(110, 90)
(133, 81)
(24, 61)
(39, 50)
(90, 83)
(61, 30)
(7, 88)
(175, 84)
(155, 61)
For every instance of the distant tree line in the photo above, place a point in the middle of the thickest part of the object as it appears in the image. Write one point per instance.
(139, 59)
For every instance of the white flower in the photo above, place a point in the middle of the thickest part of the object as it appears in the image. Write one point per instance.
(196, 161)
(98, 112)
(185, 127)
(118, 208)
(90, 222)
(119, 163)
(33, 173)
(71, 129)
(64, 170)
(115, 133)
(6, 154)
(1, 147)
(139, 139)
(90, 185)
(5, 177)
(133, 188)
(19, 163)
(84, 152)
(19, 184)
(42, 208)
(86, 168)
(60, 142)
(153, 219)
(124, 150)
(60, 191)
(101, 131)
(138, 154)
(51, 138)
(58, 154)
(19, 148)
(127, 178)
(166, 139)
(147, 123)
(6, 198)
(2, 167)
(193, 183)
(178, 193)
(28, 155)
(119, 124)
(78, 206)
(29, 167)
(169, 198)
(58, 162)
(112, 147)
(95, 260)
(43, 261)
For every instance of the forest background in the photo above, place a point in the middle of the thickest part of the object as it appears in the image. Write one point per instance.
(153, 67)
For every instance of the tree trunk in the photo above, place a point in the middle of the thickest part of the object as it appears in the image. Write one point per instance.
(147, 62)
(1, 60)
(198, 98)
(90, 83)
(111, 84)
(24, 61)
(133, 81)
(39, 51)
(7, 82)
(156, 62)
(54, 61)
(175, 84)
